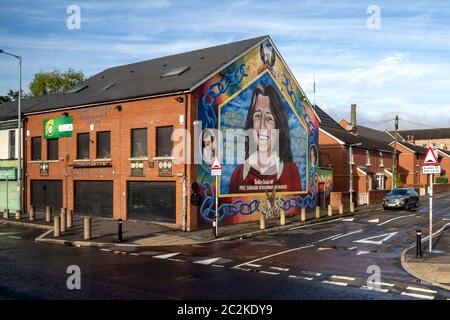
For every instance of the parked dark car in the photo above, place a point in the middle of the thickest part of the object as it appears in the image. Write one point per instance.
(404, 198)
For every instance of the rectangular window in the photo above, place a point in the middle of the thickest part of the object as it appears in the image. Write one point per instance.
(36, 148)
(138, 143)
(83, 146)
(52, 149)
(164, 141)
(367, 158)
(12, 144)
(103, 145)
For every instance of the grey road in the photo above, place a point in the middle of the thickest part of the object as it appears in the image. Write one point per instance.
(332, 260)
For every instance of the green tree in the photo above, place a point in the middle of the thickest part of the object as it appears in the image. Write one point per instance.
(12, 96)
(54, 82)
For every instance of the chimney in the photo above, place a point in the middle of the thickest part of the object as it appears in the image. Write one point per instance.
(353, 115)
(411, 139)
(353, 128)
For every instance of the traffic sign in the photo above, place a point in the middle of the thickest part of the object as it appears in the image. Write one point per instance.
(216, 172)
(430, 158)
(215, 164)
(431, 169)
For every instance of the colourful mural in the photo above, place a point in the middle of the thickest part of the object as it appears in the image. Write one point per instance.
(258, 122)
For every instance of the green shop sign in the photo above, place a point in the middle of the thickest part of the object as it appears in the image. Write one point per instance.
(8, 174)
(58, 127)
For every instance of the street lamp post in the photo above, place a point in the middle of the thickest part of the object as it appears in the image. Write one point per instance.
(351, 169)
(19, 125)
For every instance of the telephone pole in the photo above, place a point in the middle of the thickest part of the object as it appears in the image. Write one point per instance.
(394, 157)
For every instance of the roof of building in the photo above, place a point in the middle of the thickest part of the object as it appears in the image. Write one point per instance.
(414, 148)
(169, 74)
(332, 127)
(427, 134)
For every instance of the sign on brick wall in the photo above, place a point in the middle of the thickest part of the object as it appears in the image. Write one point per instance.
(58, 127)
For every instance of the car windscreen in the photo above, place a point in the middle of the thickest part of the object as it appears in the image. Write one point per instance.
(398, 192)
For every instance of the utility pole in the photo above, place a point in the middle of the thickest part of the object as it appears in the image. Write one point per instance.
(394, 157)
(350, 161)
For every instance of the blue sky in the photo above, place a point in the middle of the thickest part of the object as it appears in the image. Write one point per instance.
(403, 67)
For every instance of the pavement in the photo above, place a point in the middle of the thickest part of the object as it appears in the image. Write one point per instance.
(433, 267)
(141, 233)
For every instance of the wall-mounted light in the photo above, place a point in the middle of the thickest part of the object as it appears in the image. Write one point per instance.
(179, 99)
(65, 114)
(119, 107)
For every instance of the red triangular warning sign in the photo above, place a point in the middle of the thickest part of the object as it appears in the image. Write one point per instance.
(430, 158)
(215, 164)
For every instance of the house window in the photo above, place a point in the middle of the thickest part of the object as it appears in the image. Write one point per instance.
(36, 148)
(164, 141)
(381, 160)
(138, 143)
(104, 145)
(52, 149)
(367, 158)
(12, 144)
(380, 182)
(83, 146)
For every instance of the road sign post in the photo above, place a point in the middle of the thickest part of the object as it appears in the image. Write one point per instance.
(431, 166)
(216, 170)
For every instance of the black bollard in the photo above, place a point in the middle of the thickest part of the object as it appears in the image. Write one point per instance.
(119, 231)
(419, 244)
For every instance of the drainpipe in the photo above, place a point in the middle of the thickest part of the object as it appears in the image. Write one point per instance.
(185, 203)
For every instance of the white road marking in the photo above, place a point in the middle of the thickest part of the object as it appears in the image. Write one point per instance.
(217, 265)
(300, 277)
(274, 255)
(362, 252)
(15, 237)
(353, 248)
(348, 220)
(374, 220)
(315, 224)
(177, 260)
(253, 265)
(279, 269)
(271, 273)
(419, 296)
(317, 274)
(396, 218)
(375, 289)
(342, 284)
(134, 254)
(385, 237)
(346, 234)
(384, 284)
(343, 278)
(207, 262)
(421, 289)
(323, 248)
(328, 238)
(167, 255)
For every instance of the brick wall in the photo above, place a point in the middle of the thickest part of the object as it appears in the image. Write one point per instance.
(148, 113)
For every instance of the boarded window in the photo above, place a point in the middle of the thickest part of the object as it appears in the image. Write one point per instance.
(52, 149)
(83, 146)
(164, 141)
(103, 145)
(36, 148)
(139, 143)
(12, 144)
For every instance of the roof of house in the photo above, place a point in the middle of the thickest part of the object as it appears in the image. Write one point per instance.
(427, 134)
(414, 148)
(143, 79)
(332, 127)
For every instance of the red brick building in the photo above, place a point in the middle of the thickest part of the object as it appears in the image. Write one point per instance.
(104, 147)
